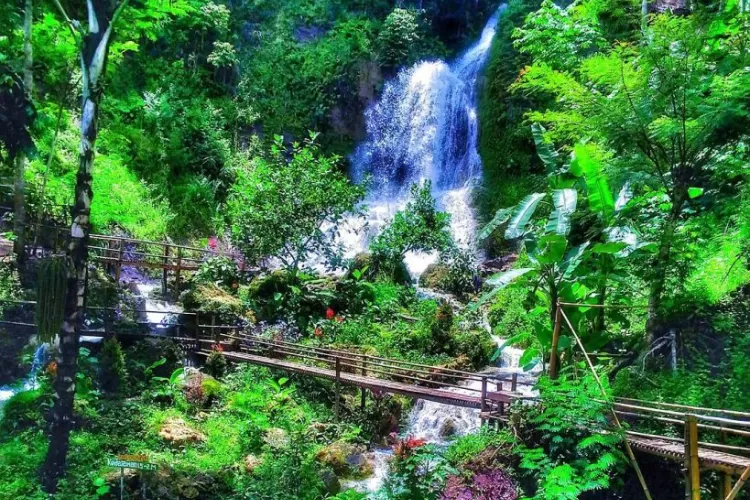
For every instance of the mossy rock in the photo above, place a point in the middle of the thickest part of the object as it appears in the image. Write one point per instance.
(434, 276)
(345, 459)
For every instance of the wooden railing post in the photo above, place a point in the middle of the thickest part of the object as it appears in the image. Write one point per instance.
(364, 374)
(177, 271)
(483, 402)
(213, 328)
(337, 387)
(165, 272)
(692, 463)
(553, 363)
(118, 266)
(514, 382)
(500, 405)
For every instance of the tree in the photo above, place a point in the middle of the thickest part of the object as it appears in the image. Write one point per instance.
(94, 47)
(418, 227)
(667, 108)
(19, 198)
(290, 207)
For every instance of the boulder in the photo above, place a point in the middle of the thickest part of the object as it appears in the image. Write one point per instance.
(177, 432)
(276, 438)
(448, 428)
(345, 459)
(330, 482)
(434, 276)
(251, 463)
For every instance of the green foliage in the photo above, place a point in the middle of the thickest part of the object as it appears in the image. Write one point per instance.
(10, 286)
(220, 271)
(466, 448)
(112, 372)
(216, 364)
(563, 450)
(404, 39)
(418, 227)
(52, 287)
(24, 410)
(417, 472)
(282, 208)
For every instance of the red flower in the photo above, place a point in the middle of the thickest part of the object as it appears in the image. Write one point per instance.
(339, 319)
(218, 347)
(213, 242)
(318, 331)
(330, 313)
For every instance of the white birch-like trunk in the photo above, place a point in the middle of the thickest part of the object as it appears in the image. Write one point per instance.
(93, 62)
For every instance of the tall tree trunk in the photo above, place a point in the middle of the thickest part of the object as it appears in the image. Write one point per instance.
(19, 189)
(94, 50)
(661, 265)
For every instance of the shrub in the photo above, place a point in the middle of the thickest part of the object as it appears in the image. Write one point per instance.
(112, 372)
(418, 227)
(220, 271)
(216, 364)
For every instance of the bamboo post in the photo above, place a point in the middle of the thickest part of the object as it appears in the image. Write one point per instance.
(692, 464)
(514, 382)
(553, 364)
(337, 387)
(616, 419)
(177, 271)
(725, 485)
(482, 405)
(165, 272)
(738, 486)
(364, 374)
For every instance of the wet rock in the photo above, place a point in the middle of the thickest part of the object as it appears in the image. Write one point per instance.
(276, 438)
(307, 34)
(345, 459)
(178, 433)
(331, 482)
(434, 276)
(448, 428)
(251, 463)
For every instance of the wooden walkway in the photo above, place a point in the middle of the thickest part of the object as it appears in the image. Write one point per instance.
(371, 383)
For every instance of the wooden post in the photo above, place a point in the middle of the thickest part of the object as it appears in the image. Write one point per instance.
(482, 405)
(692, 464)
(337, 387)
(165, 272)
(500, 405)
(213, 328)
(513, 382)
(364, 374)
(553, 368)
(177, 271)
(118, 266)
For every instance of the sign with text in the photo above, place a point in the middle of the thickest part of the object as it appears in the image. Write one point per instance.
(139, 462)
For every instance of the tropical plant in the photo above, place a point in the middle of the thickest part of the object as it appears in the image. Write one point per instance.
(568, 447)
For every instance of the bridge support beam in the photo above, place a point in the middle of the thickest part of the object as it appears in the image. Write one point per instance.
(364, 391)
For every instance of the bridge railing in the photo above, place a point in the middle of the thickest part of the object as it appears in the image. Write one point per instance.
(116, 252)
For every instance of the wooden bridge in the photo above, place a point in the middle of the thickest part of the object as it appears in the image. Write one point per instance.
(491, 395)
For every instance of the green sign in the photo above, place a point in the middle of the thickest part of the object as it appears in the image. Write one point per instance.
(130, 464)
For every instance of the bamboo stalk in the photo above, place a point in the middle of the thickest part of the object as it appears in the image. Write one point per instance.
(629, 450)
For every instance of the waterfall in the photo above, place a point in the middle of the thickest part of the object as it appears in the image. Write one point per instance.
(424, 127)
(38, 361)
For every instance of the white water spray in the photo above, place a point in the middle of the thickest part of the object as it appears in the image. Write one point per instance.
(424, 127)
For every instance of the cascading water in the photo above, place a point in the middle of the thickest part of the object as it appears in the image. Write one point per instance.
(40, 358)
(424, 127)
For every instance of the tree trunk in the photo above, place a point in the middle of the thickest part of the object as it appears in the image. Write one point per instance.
(19, 189)
(661, 264)
(94, 51)
(644, 15)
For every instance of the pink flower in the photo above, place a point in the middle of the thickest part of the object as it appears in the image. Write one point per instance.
(213, 242)
(330, 313)
(318, 331)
